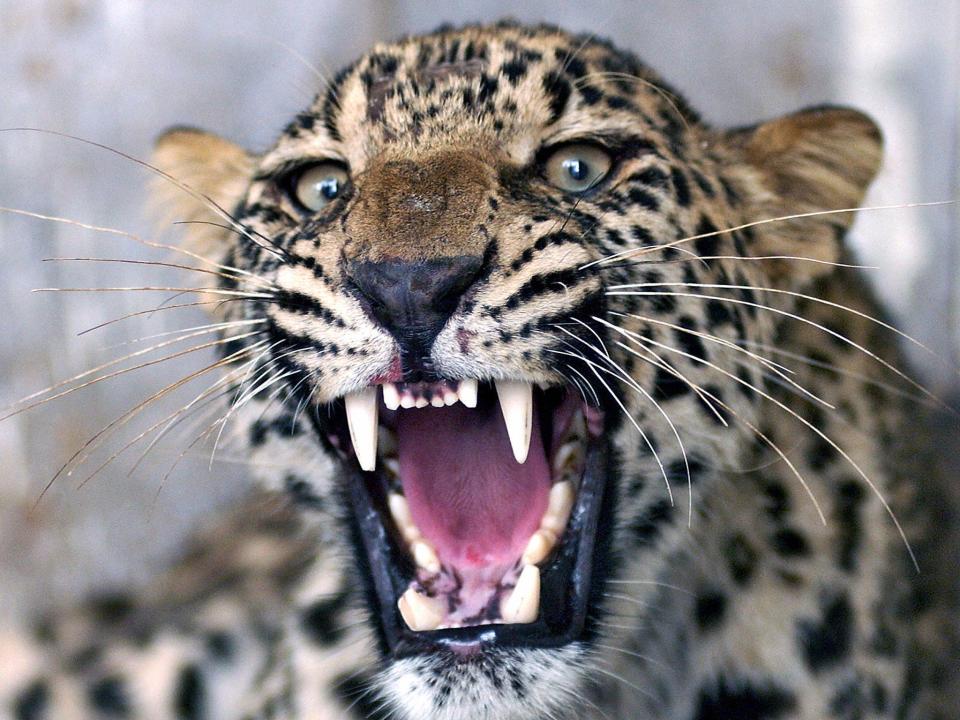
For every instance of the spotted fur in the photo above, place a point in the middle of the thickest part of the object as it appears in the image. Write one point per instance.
(731, 352)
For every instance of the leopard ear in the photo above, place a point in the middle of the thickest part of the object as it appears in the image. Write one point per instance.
(212, 168)
(818, 159)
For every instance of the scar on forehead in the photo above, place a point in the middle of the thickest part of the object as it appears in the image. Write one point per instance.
(380, 87)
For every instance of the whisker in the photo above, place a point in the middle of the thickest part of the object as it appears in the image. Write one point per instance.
(756, 223)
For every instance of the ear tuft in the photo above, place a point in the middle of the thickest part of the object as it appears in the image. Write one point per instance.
(210, 166)
(818, 159)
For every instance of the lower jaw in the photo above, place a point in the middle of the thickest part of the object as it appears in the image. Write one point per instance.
(567, 581)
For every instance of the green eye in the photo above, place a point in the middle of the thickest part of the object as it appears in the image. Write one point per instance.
(320, 184)
(577, 167)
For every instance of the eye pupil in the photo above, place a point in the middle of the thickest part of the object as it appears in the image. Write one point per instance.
(329, 187)
(576, 168)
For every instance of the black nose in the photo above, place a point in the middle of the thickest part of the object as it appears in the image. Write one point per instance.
(414, 300)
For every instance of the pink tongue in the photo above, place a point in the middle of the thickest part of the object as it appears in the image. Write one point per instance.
(468, 495)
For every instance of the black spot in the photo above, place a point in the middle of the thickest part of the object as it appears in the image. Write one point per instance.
(221, 646)
(647, 527)
(258, 433)
(827, 640)
(744, 700)
(644, 199)
(706, 246)
(651, 176)
(680, 187)
(642, 235)
(321, 620)
(710, 610)
(741, 559)
(189, 696)
(777, 500)
(558, 91)
(717, 313)
(302, 492)
(850, 496)
(689, 342)
(108, 696)
(590, 94)
(31, 703)
(788, 542)
(667, 385)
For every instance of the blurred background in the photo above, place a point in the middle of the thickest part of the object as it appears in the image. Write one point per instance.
(120, 71)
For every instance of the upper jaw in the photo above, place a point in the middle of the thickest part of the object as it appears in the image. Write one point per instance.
(416, 577)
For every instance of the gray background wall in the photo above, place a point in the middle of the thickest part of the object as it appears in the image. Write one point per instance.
(119, 71)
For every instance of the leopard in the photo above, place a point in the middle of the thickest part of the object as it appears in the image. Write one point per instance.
(563, 403)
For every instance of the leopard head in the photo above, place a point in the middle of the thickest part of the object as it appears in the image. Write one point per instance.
(504, 275)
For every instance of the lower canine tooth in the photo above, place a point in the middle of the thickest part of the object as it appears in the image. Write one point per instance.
(523, 604)
(538, 547)
(425, 556)
(420, 612)
(362, 421)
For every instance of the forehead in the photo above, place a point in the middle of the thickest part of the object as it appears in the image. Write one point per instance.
(514, 87)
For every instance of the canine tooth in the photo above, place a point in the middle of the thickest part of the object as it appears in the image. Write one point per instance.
(437, 401)
(516, 403)
(391, 396)
(523, 604)
(362, 421)
(538, 547)
(420, 612)
(425, 556)
(407, 401)
(559, 505)
(467, 390)
(421, 402)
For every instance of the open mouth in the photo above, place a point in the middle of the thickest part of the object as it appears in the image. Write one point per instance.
(477, 504)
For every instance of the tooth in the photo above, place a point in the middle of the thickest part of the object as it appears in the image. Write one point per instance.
(450, 397)
(362, 421)
(538, 547)
(467, 391)
(391, 396)
(564, 456)
(393, 466)
(407, 401)
(437, 401)
(400, 512)
(523, 604)
(421, 402)
(419, 611)
(425, 556)
(516, 403)
(559, 505)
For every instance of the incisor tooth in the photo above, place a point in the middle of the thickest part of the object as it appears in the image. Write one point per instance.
(523, 604)
(437, 401)
(516, 404)
(421, 402)
(425, 556)
(467, 391)
(407, 401)
(362, 421)
(419, 611)
(559, 505)
(391, 396)
(538, 547)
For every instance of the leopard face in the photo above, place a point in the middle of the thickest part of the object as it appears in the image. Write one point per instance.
(506, 279)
